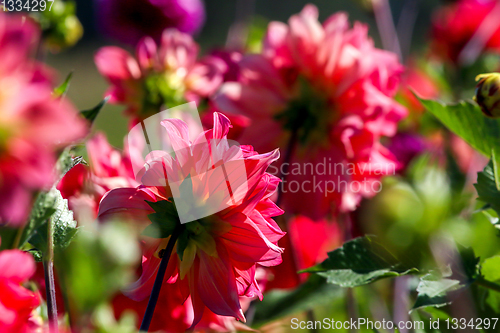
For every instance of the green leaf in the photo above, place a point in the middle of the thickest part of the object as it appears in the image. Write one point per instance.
(63, 88)
(91, 114)
(490, 271)
(41, 211)
(358, 262)
(182, 243)
(434, 290)
(438, 289)
(64, 226)
(486, 188)
(466, 120)
(163, 220)
(278, 303)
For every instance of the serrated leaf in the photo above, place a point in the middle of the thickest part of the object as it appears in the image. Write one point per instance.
(91, 114)
(278, 303)
(358, 262)
(63, 88)
(434, 290)
(41, 211)
(486, 187)
(490, 271)
(437, 289)
(64, 226)
(466, 120)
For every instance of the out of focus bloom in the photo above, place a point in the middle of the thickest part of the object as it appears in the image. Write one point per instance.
(307, 243)
(216, 254)
(130, 20)
(456, 24)
(161, 76)
(84, 187)
(60, 25)
(16, 302)
(323, 92)
(406, 146)
(488, 94)
(177, 312)
(417, 81)
(33, 124)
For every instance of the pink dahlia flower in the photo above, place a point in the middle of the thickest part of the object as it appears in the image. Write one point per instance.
(33, 124)
(130, 20)
(456, 24)
(16, 302)
(161, 76)
(231, 232)
(324, 94)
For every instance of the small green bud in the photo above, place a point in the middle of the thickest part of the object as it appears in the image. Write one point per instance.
(488, 94)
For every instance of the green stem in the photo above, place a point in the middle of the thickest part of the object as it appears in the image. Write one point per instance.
(50, 286)
(488, 284)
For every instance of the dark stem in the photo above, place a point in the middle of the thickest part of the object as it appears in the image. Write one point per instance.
(155, 293)
(50, 286)
(488, 284)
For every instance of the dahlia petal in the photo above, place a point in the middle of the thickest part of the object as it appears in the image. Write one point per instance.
(216, 284)
(130, 202)
(116, 64)
(17, 266)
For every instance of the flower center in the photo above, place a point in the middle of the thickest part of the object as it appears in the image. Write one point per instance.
(162, 90)
(309, 116)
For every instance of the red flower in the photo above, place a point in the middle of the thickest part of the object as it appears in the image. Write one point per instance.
(33, 124)
(16, 302)
(324, 93)
(456, 24)
(232, 231)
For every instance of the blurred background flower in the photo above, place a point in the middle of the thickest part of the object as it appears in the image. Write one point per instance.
(130, 20)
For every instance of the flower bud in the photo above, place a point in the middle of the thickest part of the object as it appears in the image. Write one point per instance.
(488, 94)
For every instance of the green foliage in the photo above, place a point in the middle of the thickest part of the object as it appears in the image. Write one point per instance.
(486, 188)
(358, 262)
(51, 205)
(466, 120)
(100, 261)
(163, 220)
(277, 304)
(64, 225)
(438, 289)
(63, 88)
(91, 114)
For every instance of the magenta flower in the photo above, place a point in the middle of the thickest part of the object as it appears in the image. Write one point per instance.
(33, 124)
(456, 24)
(130, 20)
(161, 76)
(324, 93)
(16, 302)
(221, 250)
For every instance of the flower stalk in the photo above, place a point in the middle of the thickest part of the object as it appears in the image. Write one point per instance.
(50, 287)
(155, 292)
